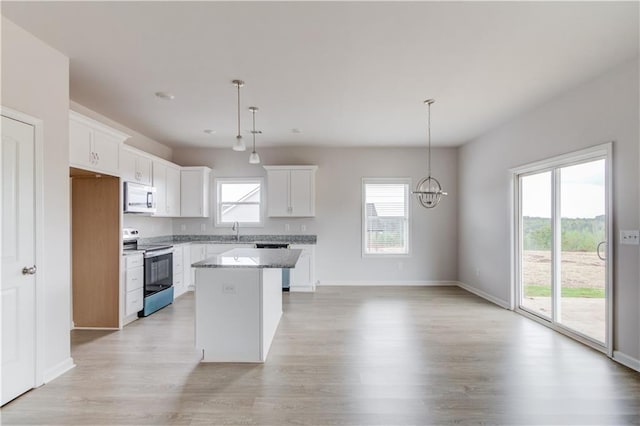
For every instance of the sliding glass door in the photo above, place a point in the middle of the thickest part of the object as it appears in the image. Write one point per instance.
(561, 244)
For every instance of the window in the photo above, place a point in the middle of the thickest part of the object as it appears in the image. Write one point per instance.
(385, 216)
(239, 200)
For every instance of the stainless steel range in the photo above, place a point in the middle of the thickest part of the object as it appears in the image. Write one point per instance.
(158, 272)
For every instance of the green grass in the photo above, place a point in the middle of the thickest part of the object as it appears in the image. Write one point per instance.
(542, 291)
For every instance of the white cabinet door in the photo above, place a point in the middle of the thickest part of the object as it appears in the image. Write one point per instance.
(291, 191)
(278, 193)
(194, 191)
(302, 277)
(106, 152)
(134, 301)
(135, 167)
(160, 184)
(79, 144)
(186, 266)
(93, 145)
(144, 168)
(173, 191)
(302, 193)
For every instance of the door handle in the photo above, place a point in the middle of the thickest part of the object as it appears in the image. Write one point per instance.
(598, 250)
(29, 271)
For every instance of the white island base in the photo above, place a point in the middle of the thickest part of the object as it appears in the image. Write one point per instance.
(237, 312)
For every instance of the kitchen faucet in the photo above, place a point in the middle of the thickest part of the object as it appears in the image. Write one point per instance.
(236, 227)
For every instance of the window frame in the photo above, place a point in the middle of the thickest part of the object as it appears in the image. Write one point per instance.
(218, 214)
(363, 205)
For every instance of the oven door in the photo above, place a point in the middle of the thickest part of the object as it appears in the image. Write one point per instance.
(158, 271)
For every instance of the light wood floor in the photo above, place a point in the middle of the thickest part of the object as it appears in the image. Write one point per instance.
(344, 355)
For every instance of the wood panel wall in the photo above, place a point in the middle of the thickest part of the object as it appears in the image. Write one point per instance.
(95, 238)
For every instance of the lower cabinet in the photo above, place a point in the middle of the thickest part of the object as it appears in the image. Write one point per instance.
(134, 284)
(178, 271)
(302, 277)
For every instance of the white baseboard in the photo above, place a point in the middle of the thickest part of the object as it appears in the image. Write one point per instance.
(626, 360)
(388, 283)
(58, 370)
(303, 289)
(486, 296)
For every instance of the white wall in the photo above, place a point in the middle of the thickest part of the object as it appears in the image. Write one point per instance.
(605, 109)
(35, 81)
(338, 208)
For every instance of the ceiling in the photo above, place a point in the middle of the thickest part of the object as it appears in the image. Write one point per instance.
(342, 73)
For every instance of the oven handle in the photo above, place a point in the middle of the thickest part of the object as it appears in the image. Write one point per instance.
(156, 253)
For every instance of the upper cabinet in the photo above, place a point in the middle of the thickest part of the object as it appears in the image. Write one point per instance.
(194, 191)
(135, 166)
(166, 181)
(291, 191)
(93, 145)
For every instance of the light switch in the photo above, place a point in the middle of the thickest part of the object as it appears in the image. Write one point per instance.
(630, 237)
(229, 288)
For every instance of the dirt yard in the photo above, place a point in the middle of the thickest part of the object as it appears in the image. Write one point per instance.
(579, 269)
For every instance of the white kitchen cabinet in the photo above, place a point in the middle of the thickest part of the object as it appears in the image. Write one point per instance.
(159, 181)
(166, 181)
(178, 270)
(173, 191)
(134, 284)
(291, 191)
(194, 191)
(302, 277)
(186, 267)
(136, 166)
(93, 145)
(197, 252)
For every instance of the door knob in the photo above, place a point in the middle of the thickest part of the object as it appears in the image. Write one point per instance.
(29, 271)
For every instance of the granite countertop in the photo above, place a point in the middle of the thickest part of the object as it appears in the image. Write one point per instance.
(231, 239)
(252, 258)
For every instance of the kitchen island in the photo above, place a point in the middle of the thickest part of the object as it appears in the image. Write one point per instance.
(239, 303)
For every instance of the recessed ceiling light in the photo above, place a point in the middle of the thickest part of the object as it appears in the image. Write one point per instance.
(165, 95)
(296, 130)
(209, 131)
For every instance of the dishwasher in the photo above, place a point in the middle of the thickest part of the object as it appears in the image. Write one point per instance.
(286, 273)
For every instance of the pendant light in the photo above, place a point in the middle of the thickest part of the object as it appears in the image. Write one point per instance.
(254, 158)
(428, 191)
(238, 145)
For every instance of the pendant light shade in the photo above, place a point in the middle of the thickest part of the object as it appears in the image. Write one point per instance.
(254, 158)
(238, 145)
(428, 191)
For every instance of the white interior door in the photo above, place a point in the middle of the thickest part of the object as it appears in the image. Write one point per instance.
(18, 259)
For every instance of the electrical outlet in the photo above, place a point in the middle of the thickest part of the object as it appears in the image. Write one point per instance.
(400, 266)
(630, 237)
(203, 227)
(229, 288)
(303, 228)
(287, 227)
(477, 272)
(183, 227)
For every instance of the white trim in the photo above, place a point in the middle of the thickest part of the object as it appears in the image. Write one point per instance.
(407, 181)
(58, 370)
(495, 300)
(387, 283)
(216, 186)
(577, 157)
(626, 360)
(38, 126)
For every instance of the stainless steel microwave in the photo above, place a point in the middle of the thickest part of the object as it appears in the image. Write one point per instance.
(139, 198)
